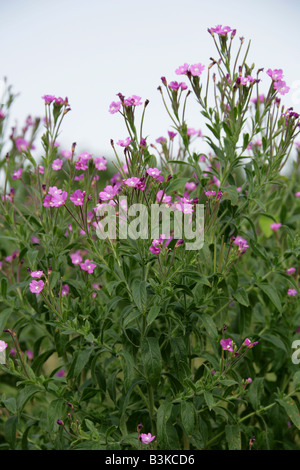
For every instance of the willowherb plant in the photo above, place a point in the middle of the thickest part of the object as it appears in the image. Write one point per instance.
(115, 337)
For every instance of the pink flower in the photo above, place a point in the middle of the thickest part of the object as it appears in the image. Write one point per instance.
(2, 115)
(261, 99)
(275, 74)
(157, 244)
(114, 107)
(154, 249)
(55, 198)
(3, 345)
(17, 174)
(108, 193)
(274, 226)
(281, 87)
(82, 161)
(297, 194)
(222, 31)
(241, 243)
(133, 101)
(37, 274)
(60, 101)
(78, 197)
(161, 140)
(210, 194)
(216, 181)
(175, 86)
(57, 164)
(146, 438)
(132, 182)
(60, 373)
(292, 292)
(36, 287)
(241, 81)
(100, 163)
(161, 197)
(48, 98)
(172, 135)
(196, 69)
(227, 344)
(247, 342)
(191, 131)
(29, 354)
(182, 69)
(154, 172)
(88, 266)
(41, 170)
(185, 208)
(248, 381)
(76, 257)
(65, 290)
(66, 154)
(124, 143)
(183, 85)
(22, 144)
(190, 186)
(79, 177)
(290, 270)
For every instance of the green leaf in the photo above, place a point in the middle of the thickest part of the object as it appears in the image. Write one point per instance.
(55, 276)
(32, 255)
(10, 404)
(187, 412)
(291, 410)
(209, 325)
(255, 392)
(10, 429)
(139, 293)
(153, 313)
(127, 367)
(272, 294)
(233, 437)
(230, 192)
(264, 223)
(163, 415)
(274, 340)
(124, 405)
(179, 350)
(152, 360)
(56, 410)
(4, 316)
(177, 183)
(209, 399)
(25, 395)
(40, 360)
(241, 296)
(79, 362)
(3, 287)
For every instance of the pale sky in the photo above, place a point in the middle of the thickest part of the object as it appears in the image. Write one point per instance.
(90, 50)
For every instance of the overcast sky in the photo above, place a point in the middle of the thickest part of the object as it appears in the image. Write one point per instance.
(90, 50)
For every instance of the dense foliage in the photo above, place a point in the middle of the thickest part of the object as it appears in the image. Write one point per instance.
(108, 340)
